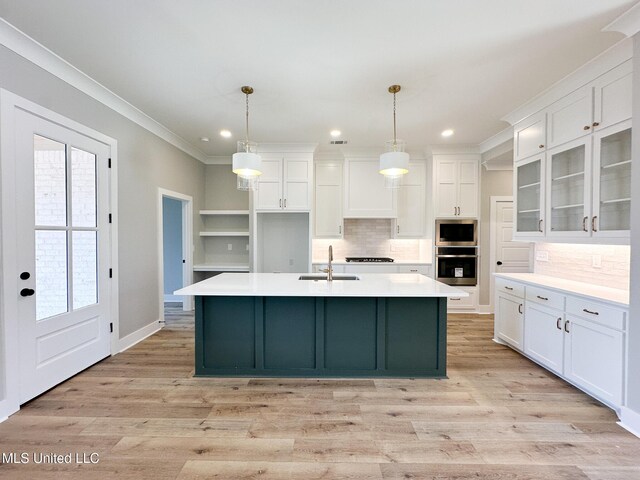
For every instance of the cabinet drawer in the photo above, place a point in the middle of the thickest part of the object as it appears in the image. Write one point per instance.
(422, 269)
(510, 287)
(545, 297)
(462, 302)
(597, 312)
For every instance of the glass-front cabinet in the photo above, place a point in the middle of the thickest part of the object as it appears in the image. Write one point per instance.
(529, 199)
(569, 189)
(612, 181)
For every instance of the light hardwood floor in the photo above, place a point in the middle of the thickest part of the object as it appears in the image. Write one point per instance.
(498, 417)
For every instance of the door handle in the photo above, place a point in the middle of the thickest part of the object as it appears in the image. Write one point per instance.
(458, 211)
(340, 229)
(584, 224)
(27, 292)
(455, 210)
(280, 205)
(520, 308)
(566, 326)
(558, 323)
(498, 262)
(593, 224)
(398, 229)
(540, 225)
(285, 203)
(25, 276)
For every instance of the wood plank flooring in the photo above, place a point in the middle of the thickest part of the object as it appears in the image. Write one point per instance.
(498, 416)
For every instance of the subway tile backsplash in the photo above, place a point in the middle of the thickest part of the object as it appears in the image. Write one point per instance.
(576, 262)
(371, 237)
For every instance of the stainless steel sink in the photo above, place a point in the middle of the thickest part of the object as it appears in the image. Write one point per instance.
(322, 276)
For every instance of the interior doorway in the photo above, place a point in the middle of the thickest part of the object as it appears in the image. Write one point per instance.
(175, 247)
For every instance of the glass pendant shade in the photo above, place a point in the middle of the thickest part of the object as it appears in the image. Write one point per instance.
(246, 164)
(394, 164)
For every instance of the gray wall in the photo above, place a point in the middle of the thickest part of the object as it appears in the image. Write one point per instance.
(492, 183)
(145, 162)
(633, 383)
(172, 244)
(221, 191)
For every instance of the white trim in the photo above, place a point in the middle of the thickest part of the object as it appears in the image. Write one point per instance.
(139, 335)
(496, 140)
(453, 150)
(594, 68)
(628, 23)
(9, 102)
(484, 310)
(33, 51)
(630, 420)
(187, 247)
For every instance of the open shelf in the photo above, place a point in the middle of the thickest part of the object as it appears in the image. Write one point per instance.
(617, 164)
(221, 268)
(529, 185)
(616, 200)
(224, 212)
(571, 175)
(564, 207)
(224, 234)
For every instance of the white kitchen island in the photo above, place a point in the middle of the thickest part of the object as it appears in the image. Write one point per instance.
(274, 324)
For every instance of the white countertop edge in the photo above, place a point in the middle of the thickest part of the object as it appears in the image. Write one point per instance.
(344, 262)
(613, 296)
(400, 285)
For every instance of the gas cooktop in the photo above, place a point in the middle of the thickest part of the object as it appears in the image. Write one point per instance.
(369, 259)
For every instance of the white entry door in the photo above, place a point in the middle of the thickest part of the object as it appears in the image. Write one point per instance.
(63, 245)
(511, 257)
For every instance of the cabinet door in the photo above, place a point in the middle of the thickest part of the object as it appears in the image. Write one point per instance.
(509, 317)
(328, 203)
(612, 181)
(468, 188)
(297, 191)
(446, 198)
(569, 189)
(411, 221)
(529, 198)
(613, 96)
(594, 359)
(530, 136)
(543, 336)
(570, 117)
(365, 195)
(269, 192)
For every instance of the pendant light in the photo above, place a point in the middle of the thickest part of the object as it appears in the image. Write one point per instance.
(395, 161)
(246, 162)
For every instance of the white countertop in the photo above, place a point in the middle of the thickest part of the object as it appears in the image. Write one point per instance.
(607, 294)
(344, 262)
(288, 285)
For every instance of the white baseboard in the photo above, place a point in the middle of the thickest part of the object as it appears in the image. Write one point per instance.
(630, 421)
(173, 298)
(485, 309)
(139, 335)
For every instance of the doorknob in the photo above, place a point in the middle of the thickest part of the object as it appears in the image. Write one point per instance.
(27, 292)
(25, 276)
(499, 262)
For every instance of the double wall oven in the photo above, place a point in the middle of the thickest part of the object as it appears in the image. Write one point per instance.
(457, 252)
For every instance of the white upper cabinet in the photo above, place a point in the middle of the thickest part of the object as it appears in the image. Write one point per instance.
(612, 99)
(285, 184)
(365, 195)
(411, 222)
(530, 136)
(328, 199)
(570, 117)
(528, 192)
(456, 186)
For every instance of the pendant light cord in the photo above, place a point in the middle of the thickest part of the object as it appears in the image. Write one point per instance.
(246, 145)
(395, 143)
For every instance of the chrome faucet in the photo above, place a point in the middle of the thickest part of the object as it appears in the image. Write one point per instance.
(329, 269)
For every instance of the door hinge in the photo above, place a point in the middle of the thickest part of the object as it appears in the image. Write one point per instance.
(111, 327)
(111, 273)
(109, 163)
(110, 218)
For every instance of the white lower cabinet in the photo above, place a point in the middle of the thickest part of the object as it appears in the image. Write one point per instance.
(543, 336)
(463, 303)
(579, 338)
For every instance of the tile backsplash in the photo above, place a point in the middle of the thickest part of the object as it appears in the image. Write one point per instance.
(371, 237)
(576, 262)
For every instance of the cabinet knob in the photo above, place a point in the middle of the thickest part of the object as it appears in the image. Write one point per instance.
(595, 124)
(587, 127)
(541, 146)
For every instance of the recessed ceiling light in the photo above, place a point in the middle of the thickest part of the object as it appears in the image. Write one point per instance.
(225, 133)
(335, 133)
(447, 133)
(204, 139)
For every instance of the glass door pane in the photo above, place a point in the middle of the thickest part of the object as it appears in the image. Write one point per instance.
(50, 181)
(568, 189)
(529, 189)
(51, 273)
(85, 280)
(83, 188)
(615, 181)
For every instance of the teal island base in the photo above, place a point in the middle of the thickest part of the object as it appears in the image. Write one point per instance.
(321, 336)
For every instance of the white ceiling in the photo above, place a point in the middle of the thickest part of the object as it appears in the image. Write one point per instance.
(319, 65)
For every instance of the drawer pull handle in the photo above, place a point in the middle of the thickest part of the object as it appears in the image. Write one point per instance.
(589, 311)
(566, 326)
(413, 270)
(456, 298)
(542, 298)
(520, 308)
(558, 323)
(508, 288)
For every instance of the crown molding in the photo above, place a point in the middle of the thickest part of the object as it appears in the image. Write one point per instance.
(628, 23)
(454, 150)
(594, 68)
(33, 51)
(498, 139)
(218, 160)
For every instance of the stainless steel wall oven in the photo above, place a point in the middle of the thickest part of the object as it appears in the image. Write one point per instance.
(457, 252)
